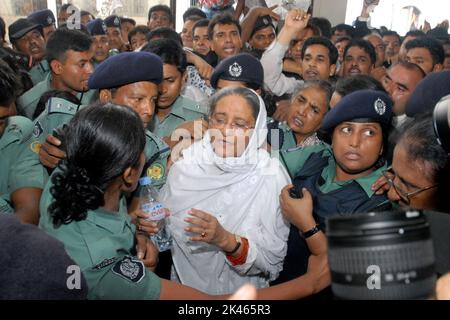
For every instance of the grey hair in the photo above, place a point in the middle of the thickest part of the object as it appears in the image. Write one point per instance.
(250, 96)
(323, 85)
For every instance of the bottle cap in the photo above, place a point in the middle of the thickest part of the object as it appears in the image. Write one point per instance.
(145, 181)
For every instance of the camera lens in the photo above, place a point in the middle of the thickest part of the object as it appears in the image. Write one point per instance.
(383, 255)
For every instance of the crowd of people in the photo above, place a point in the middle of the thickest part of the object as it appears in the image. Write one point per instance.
(253, 130)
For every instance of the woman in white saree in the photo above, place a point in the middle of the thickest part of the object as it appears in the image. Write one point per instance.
(223, 194)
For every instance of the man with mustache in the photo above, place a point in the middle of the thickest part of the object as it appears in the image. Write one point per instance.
(98, 30)
(359, 58)
(69, 55)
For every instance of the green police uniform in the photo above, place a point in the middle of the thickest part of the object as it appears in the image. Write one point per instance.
(278, 129)
(102, 246)
(26, 103)
(294, 161)
(183, 110)
(39, 72)
(17, 169)
(59, 112)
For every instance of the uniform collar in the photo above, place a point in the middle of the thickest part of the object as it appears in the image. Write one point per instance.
(9, 136)
(111, 221)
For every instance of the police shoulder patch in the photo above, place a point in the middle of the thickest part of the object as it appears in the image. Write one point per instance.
(37, 131)
(156, 171)
(130, 268)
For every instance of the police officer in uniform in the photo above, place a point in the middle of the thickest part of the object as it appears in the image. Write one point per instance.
(69, 55)
(21, 179)
(337, 179)
(174, 111)
(114, 32)
(47, 20)
(97, 28)
(83, 207)
(130, 79)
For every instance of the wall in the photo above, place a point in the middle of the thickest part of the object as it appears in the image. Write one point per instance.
(333, 10)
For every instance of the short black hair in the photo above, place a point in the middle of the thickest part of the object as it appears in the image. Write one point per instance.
(170, 52)
(333, 52)
(348, 29)
(63, 40)
(346, 85)
(161, 7)
(164, 33)
(222, 19)
(415, 33)
(86, 13)
(9, 84)
(139, 29)
(324, 25)
(344, 38)
(366, 46)
(391, 33)
(435, 48)
(193, 12)
(200, 24)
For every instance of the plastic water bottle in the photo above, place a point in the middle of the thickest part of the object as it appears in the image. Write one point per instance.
(157, 213)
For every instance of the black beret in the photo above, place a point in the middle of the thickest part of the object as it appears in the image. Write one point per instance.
(362, 104)
(96, 27)
(126, 68)
(262, 23)
(34, 264)
(21, 27)
(112, 22)
(43, 17)
(241, 67)
(428, 93)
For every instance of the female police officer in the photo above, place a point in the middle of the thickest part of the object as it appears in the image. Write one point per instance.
(337, 178)
(83, 207)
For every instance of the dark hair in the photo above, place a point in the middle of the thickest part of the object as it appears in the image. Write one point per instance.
(139, 29)
(193, 12)
(415, 33)
(2, 30)
(366, 46)
(82, 28)
(169, 51)
(391, 33)
(200, 24)
(66, 95)
(222, 19)
(333, 53)
(345, 86)
(160, 7)
(439, 34)
(324, 25)
(322, 85)
(101, 141)
(251, 98)
(344, 38)
(349, 30)
(435, 48)
(411, 67)
(63, 40)
(420, 142)
(164, 33)
(86, 13)
(9, 84)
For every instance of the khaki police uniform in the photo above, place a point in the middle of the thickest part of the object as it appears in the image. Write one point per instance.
(18, 169)
(26, 103)
(183, 110)
(103, 246)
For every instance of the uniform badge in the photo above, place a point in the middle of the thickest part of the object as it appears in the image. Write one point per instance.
(130, 268)
(156, 171)
(104, 27)
(35, 147)
(37, 131)
(49, 20)
(265, 21)
(116, 22)
(235, 70)
(380, 107)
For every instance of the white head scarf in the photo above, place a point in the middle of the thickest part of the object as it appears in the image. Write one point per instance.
(243, 194)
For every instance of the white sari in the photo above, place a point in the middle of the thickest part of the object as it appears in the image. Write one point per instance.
(243, 194)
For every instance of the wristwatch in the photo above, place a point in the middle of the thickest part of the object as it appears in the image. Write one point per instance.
(310, 233)
(238, 245)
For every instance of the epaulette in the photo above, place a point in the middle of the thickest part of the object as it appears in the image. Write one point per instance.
(21, 127)
(58, 105)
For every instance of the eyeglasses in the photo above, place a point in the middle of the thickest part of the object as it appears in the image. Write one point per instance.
(222, 123)
(390, 176)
